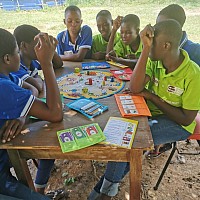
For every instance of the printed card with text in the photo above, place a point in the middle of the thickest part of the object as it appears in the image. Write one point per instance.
(80, 137)
(131, 105)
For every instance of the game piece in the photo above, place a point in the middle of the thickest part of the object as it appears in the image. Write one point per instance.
(85, 90)
(77, 70)
(90, 81)
(112, 79)
(89, 85)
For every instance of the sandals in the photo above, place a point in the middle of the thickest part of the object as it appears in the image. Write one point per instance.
(56, 195)
(162, 149)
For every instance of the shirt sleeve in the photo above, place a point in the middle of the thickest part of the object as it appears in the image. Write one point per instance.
(86, 35)
(191, 96)
(120, 49)
(94, 41)
(22, 74)
(15, 101)
(59, 47)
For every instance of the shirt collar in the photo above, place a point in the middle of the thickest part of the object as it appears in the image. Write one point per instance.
(184, 39)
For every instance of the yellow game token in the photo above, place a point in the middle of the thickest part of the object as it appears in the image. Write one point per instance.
(77, 70)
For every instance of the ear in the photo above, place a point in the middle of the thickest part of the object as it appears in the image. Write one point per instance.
(81, 21)
(112, 22)
(22, 45)
(64, 21)
(6, 59)
(167, 45)
(138, 31)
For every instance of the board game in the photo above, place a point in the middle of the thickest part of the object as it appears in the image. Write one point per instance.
(89, 84)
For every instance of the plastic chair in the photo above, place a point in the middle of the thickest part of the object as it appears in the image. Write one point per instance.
(194, 136)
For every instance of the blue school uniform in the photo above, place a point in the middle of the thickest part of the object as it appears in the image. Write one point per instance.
(15, 102)
(84, 40)
(24, 72)
(193, 49)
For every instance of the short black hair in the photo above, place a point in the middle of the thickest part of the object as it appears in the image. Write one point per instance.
(174, 11)
(171, 29)
(132, 19)
(25, 33)
(104, 13)
(72, 8)
(7, 43)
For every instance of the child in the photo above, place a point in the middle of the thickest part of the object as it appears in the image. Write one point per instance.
(128, 49)
(29, 65)
(75, 42)
(16, 103)
(173, 81)
(176, 12)
(100, 41)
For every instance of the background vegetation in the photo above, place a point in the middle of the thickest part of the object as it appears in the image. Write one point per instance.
(51, 19)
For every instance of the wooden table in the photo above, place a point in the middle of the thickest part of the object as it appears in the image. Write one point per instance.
(40, 142)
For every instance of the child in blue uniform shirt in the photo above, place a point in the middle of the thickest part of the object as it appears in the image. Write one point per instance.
(75, 42)
(29, 65)
(176, 12)
(16, 103)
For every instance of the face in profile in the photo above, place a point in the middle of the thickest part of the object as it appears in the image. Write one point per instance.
(15, 60)
(104, 26)
(73, 22)
(128, 33)
(157, 49)
(30, 49)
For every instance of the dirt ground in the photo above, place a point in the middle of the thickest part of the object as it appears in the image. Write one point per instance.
(181, 180)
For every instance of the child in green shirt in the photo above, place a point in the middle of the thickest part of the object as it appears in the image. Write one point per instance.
(128, 48)
(100, 41)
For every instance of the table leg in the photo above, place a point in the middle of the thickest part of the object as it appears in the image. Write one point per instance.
(21, 168)
(135, 174)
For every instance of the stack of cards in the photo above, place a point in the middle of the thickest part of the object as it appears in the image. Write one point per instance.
(130, 105)
(88, 107)
(124, 74)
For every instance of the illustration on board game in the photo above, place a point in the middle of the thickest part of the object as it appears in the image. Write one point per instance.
(90, 84)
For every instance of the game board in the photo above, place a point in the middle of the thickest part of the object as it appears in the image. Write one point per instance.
(90, 84)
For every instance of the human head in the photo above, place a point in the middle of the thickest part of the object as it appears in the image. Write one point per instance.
(9, 52)
(25, 35)
(130, 28)
(104, 23)
(167, 36)
(73, 20)
(173, 11)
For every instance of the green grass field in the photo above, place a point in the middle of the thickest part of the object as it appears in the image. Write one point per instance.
(51, 19)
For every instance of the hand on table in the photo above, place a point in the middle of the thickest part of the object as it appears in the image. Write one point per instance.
(11, 129)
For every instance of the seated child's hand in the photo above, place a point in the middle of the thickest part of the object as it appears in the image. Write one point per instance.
(117, 23)
(131, 56)
(147, 35)
(111, 55)
(99, 55)
(45, 48)
(11, 129)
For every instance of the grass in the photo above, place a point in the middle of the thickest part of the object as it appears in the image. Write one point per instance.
(51, 19)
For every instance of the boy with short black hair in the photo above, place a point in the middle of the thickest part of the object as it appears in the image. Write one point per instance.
(29, 65)
(172, 81)
(75, 42)
(176, 12)
(100, 41)
(16, 103)
(128, 49)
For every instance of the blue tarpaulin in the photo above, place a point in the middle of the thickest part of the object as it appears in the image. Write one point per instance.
(28, 4)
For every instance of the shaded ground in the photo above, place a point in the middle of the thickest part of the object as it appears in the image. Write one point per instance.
(181, 181)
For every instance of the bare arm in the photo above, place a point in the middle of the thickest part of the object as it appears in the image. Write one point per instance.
(116, 25)
(179, 115)
(78, 57)
(57, 61)
(36, 82)
(139, 77)
(52, 109)
(30, 87)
